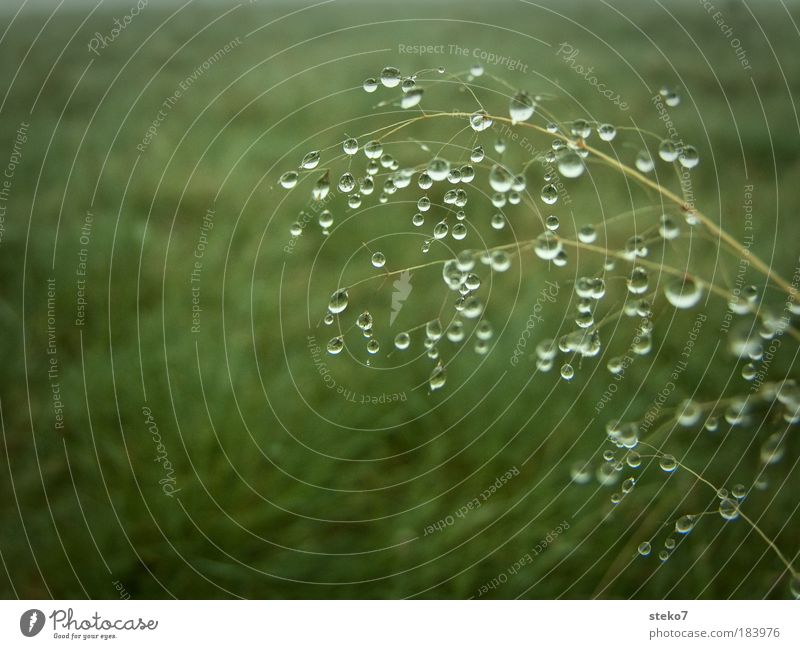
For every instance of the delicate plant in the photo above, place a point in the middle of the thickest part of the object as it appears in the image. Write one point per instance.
(518, 173)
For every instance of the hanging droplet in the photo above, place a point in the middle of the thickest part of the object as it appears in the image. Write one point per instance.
(289, 179)
(402, 341)
(689, 157)
(480, 121)
(390, 77)
(549, 194)
(567, 372)
(644, 548)
(335, 345)
(322, 187)
(438, 377)
(521, 107)
(477, 154)
(570, 164)
(668, 463)
(606, 132)
(378, 260)
(370, 84)
(683, 293)
(310, 160)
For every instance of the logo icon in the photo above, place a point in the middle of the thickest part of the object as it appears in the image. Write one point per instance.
(31, 622)
(402, 289)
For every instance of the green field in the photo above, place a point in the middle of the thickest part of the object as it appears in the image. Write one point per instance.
(144, 175)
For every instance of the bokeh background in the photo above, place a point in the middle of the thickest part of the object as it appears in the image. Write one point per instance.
(277, 485)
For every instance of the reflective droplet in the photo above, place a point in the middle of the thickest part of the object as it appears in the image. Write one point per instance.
(480, 121)
(570, 164)
(347, 182)
(289, 179)
(390, 77)
(402, 341)
(370, 84)
(477, 154)
(668, 463)
(606, 132)
(350, 146)
(438, 169)
(567, 372)
(521, 107)
(729, 509)
(685, 524)
(644, 548)
(689, 157)
(310, 160)
(373, 149)
(500, 178)
(335, 345)
(683, 293)
(438, 377)
(378, 260)
(549, 194)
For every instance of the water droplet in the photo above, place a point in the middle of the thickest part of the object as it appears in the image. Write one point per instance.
(644, 162)
(549, 194)
(418, 219)
(579, 473)
(480, 121)
(521, 107)
(373, 149)
(683, 293)
(350, 146)
(689, 157)
(570, 164)
(567, 372)
(438, 169)
(378, 260)
(289, 179)
(370, 84)
(411, 98)
(587, 234)
(402, 341)
(500, 179)
(606, 132)
(322, 187)
(685, 524)
(498, 221)
(477, 154)
(338, 301)
(667, 151)
(729, 509)
(668, 463)
(364, 321)
(347, 183)
(772, 449)
(440, 230)
(438, 377)
(459, 231)
(310, 160)
(644, 548)
(335, 345)
(296, 229)
(547, 245)
(390, 77)
(663, 555)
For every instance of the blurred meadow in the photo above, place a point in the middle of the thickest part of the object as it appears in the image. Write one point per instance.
(275, 478)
